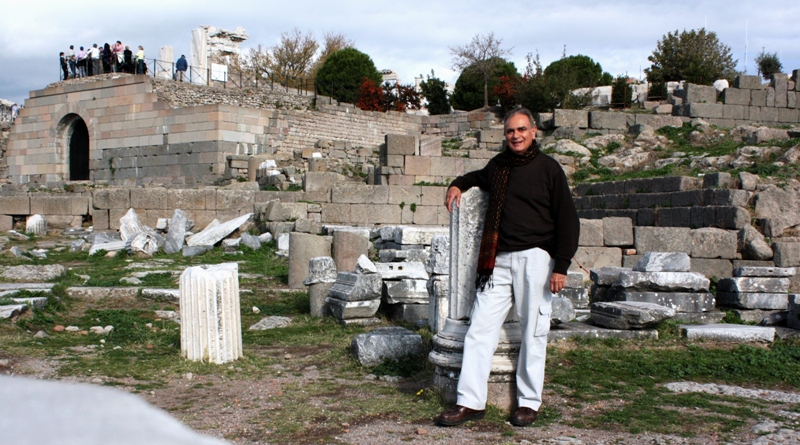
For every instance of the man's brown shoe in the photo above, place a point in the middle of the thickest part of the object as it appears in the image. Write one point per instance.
(523, 416)
(458, 415)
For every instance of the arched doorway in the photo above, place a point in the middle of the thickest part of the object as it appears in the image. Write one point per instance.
(76, 139)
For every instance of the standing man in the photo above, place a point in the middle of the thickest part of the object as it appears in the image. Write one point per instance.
(530, 235)
(94, 58)
(64, 69)
(71, 60)
(140, 61)
(180, 68)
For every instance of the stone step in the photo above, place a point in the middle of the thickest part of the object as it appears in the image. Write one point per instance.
(754, 271)
(572, 329)
(26, 286)
(662, 281)
(729, 332)
(680, 301)
(629, 314)
(754, 284)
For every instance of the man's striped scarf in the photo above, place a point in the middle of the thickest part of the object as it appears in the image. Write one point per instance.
(497, 198)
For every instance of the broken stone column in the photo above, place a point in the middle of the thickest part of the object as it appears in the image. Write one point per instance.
(211, 324)
(466, 227)
(303, 247)
(438, 267)
(130, 225)
(321, 276)
(36, 225)
(177, 232)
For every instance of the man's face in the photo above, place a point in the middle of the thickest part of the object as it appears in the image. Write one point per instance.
(520, 133)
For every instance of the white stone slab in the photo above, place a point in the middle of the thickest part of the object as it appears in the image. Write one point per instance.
(729, 332)
(211, 236)
(397, 271)
(417, 234)
(130, 225)
(36, 225)
(671, 281)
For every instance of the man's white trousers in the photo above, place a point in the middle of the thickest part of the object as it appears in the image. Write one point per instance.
(522, 278)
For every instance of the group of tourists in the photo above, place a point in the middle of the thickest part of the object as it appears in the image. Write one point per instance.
(108, 59)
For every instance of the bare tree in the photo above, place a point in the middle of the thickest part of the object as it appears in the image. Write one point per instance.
(257, 62)
(332, 42)
(293, 57)
(483, 53)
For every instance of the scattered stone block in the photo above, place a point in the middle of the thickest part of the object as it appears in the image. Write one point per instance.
(213, 234)
(729, 332)
(408, 312)
(753, 300)
(662, 281)
(606, 276)
(757, 271)
(754, 284)
(418, 235)
(439, 258)
(391, 343)
(271, 322)
(398, 271)
(350, 310)
(130, 225)
(320, 270)
(251, 241)
(303, 247)
(400, 144)
(563, 311)
(578, 297)
(405, 291)
(629, 314)
(680, 301)
(663, 262)
(352, 286)
(146, 243)
(571, 118)
(175, 238)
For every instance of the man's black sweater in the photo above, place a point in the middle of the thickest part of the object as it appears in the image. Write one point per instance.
(538, 211)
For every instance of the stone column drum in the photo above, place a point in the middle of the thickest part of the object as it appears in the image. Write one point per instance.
(211, 322)
(466, 227)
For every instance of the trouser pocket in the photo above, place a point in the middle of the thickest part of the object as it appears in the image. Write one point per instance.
(543, 320)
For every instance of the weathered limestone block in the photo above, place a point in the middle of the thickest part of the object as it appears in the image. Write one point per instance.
(395, 255)
(174, 240)
(408, 312)
(694, 93)
(713, 267)
(606, 276)
(303, 247)
(753, 300)
(591, 233)
(786, 254)
(595, 257)
(491, 135)
(629, 314)
(418, 235)
(285, 211)
(663, 262)
(729, 332)
(391, 343)
(710, 242)
(348, 246)
(36, 225)
(735, 96)
(662, 281)
(662, 239)
(365, 266)
(348, 310)
(317, 296)
(321, 181)
(602, 120)
(578, 297)
(680, 301)
(405, 291)
(756, 271)
(211, 325)
(754, 284)
(617, 231)
(563, 311)
(747, 82)
(398, 271)
(401, 144)
(213, 234)
(571, 118)
(352, 286)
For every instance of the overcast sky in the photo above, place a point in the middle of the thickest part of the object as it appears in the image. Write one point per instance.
(410, 37)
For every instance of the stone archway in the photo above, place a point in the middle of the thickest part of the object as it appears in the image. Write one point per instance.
(75, 137)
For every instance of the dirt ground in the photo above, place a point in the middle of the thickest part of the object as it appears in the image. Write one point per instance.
(239, 412)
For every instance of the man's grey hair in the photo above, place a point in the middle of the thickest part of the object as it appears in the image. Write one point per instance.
(519, 110)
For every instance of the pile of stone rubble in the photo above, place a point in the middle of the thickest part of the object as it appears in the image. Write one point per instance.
(757, 294)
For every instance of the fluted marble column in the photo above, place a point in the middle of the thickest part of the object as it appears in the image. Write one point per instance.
(211, 323)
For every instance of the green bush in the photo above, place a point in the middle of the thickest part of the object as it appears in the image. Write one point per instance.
(343, 73)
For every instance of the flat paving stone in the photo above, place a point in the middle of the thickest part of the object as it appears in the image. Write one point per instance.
(729, 332)
(96, 293)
